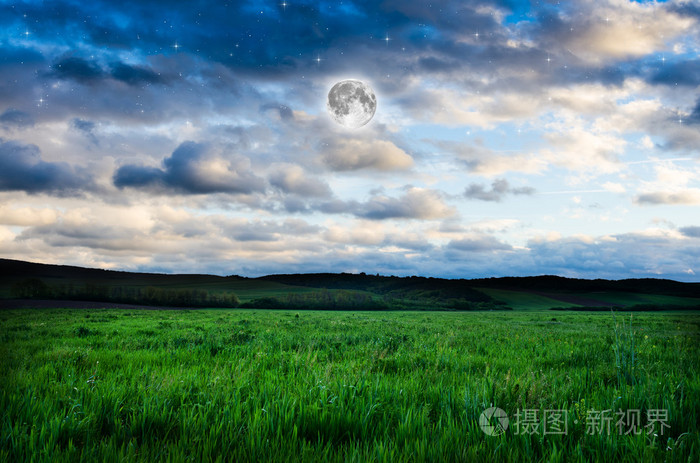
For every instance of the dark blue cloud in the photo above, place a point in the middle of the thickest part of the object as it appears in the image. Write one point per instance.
(11, 55)
(134, 75)
(16, 118)
(22, 169)
(691, 9)
(78, 69)
(266, 39)
(83, 125)
(686, 73)
(694, 117)
(86, 128)
(186, 171)
(691, 232)
(255, 37)
(138, 176)
(89, 71)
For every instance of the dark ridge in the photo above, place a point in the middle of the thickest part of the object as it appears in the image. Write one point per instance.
(25, 279)
(10, 268)
(563, 284)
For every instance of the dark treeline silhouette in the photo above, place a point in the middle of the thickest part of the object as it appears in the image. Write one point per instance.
(551, 283)
(462, 288)
(361, 291)
(34, 288)
(16, 269)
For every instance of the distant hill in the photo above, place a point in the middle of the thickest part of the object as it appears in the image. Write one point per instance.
(25, 280)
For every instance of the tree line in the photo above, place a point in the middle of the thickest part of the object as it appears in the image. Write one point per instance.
(324, 299)
(35, 288)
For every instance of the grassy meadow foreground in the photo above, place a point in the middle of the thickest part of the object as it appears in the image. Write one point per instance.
(257, 385)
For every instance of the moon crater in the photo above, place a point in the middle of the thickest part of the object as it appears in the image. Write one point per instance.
(351, 103)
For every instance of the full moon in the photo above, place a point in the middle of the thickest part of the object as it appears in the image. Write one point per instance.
(351, 103)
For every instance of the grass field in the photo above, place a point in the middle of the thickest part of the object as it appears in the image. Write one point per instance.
(243, 385)
(526, 300)
(629, 299)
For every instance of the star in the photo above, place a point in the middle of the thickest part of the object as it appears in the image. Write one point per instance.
(318, 59)
(284, 5)
(386, 39)
(176, 46)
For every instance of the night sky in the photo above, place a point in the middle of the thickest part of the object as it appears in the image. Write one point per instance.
(510, 138)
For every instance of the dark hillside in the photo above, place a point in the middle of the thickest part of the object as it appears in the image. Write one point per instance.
(548, 283)
(405, 286)
(342, 291)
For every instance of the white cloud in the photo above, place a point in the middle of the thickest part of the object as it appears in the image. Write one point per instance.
(455, 107)
(291, 178)
(27, 216)
(482, 160)
(416, 203)
(614, 187)
(580, 148)
(620, 29)
(345, 154)
(364, 233)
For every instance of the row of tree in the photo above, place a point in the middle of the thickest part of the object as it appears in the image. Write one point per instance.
(325, 299)
(35, 288)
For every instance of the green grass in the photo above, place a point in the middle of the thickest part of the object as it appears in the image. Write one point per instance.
(244, 385)
(522, 300)
(525, 300)
(628, 299)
